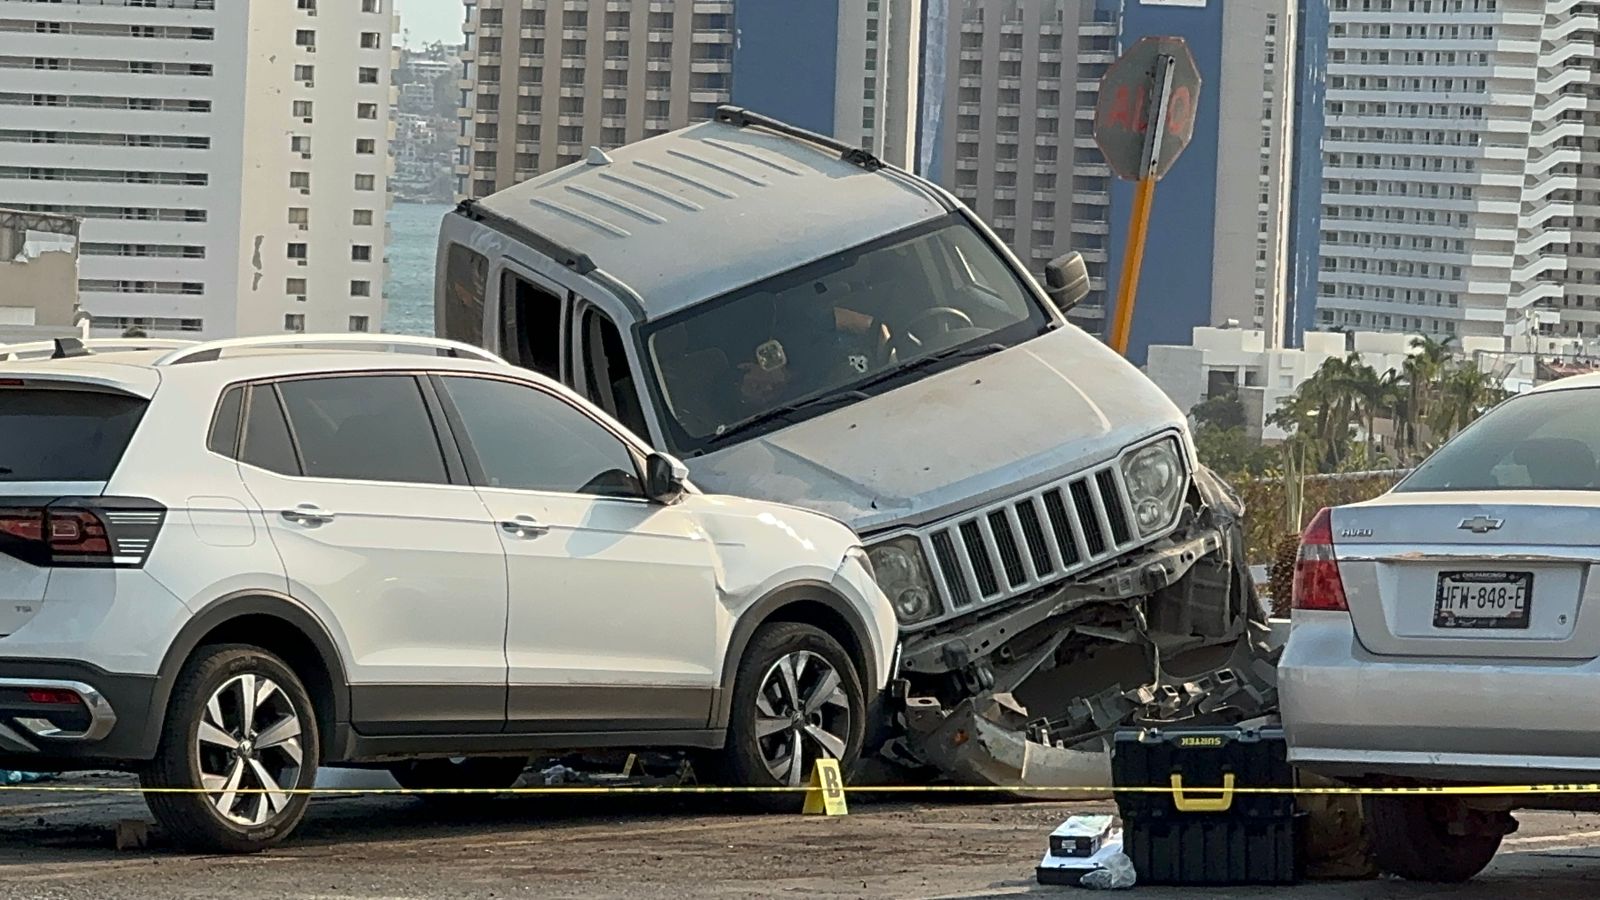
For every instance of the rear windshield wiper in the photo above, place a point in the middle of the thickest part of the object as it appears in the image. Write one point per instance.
(784, 412)
(932, 359)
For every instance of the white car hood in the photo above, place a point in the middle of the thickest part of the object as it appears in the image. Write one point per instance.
(953, 440)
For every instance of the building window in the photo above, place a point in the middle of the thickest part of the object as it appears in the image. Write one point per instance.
(297, 250)
(305, 73)
(294, 322)
(371, 40)
(299, 215)
(305, 37)
(295, 286)
(301, 180)
(366, 182)
(361, 289)
(358, 323)
(300, 143)
(366, 146)
(308, 5)
(302, 109)
(371, 6)
(361, 253)
(367, 75)
(366, 110)
(361, 217)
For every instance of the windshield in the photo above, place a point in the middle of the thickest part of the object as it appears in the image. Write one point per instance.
(1544, 441)
(854, 319)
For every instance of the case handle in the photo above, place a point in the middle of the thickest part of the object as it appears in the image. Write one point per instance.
(1191, 804)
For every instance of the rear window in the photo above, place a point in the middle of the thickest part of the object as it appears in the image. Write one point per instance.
(1547, 441)
(64, 435)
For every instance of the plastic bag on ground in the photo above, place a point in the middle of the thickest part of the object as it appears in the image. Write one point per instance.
(1117, 875)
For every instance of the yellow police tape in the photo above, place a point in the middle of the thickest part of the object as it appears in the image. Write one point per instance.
(1475, 790)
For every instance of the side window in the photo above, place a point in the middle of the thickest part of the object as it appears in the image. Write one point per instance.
(266, 442)
(608, 380)
(526, 439)
(224, 437)
(530, 326)
(466, 281)
(364, 428)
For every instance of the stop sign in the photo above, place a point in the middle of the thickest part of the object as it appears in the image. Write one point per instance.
(1122, 115)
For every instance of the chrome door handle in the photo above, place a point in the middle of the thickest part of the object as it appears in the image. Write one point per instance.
(308, 514)
(526, 527)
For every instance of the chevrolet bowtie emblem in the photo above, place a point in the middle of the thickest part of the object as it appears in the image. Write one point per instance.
(1481, 524)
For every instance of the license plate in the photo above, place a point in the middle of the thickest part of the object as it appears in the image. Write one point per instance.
(1483, 600)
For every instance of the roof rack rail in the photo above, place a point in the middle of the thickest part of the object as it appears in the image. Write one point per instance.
(739, 117)
(213, 350)
(48, 349)
(573, 259)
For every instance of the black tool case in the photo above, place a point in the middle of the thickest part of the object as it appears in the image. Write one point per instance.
(1183, 835)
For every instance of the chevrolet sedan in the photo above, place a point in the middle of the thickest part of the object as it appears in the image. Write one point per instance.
(1439, 635)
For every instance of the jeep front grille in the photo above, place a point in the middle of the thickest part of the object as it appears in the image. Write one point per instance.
(1030, 541)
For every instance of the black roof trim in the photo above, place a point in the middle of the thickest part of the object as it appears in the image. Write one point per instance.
(739, 117)
(572, 259)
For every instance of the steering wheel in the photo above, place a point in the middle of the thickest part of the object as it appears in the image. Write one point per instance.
(951, 317)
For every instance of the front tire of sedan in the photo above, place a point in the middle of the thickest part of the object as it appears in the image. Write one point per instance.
(1412, 838)
(796, 698)
(240, 734)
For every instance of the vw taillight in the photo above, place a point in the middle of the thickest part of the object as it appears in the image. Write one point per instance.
(1316, 570)
(111, 532)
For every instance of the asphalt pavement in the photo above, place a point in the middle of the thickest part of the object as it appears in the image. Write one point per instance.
(397, 848)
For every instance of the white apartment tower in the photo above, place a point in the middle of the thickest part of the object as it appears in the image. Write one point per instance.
(1461, 168)
(545, 80)
(1018, 82)
(229, 158)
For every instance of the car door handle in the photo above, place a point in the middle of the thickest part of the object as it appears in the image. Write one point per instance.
(308, 514)
(526, 527)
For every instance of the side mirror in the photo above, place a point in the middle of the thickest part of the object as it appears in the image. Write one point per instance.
(1066, 280)
(664, 478)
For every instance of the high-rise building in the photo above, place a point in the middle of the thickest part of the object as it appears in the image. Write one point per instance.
(229, 158)
(1216, 249)
(545, 80)
(1458, 168)
(1008, 124)
(1305, 211)
(845, 68)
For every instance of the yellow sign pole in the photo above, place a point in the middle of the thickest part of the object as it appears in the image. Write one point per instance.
(1143, 198)
(1132, 263)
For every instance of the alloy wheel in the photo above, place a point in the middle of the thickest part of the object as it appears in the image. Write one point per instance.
(248, 749)
(802, 714)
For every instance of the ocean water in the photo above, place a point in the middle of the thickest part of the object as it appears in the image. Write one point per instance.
(413, 243)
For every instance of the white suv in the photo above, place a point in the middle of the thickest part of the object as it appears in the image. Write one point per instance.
(222, 565)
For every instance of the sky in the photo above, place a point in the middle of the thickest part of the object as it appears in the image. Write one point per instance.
(431, 20)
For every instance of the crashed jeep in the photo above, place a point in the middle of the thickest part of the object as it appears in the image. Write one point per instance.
(799, 322)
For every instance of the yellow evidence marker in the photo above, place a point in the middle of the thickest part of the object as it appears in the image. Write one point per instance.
(825, 794)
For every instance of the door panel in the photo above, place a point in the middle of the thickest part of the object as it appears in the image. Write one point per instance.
(613, 600)
(413, 573)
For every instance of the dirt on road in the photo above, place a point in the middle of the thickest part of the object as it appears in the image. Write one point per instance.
(59, 846)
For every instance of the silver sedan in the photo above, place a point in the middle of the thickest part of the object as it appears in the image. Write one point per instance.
(1438, 638)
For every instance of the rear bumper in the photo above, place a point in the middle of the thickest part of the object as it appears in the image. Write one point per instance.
(109, 728)
(1353, 715)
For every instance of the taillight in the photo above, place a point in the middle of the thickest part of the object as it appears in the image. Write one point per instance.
(110, 532)
(1317, 584)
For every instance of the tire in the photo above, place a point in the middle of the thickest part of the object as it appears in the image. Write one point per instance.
(761, 692)
(1410, 840)
(213, 738)
(473, 773)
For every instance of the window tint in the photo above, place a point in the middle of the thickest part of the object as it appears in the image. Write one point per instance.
(466, 279)
(373, 428)
(530, 326)
(266, 441)
(224, 437)
(526, 439)
(606, 374)
(1547, 441)
(64, 435)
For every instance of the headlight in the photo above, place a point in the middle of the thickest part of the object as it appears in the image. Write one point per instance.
(902, 573)
(1154, 476)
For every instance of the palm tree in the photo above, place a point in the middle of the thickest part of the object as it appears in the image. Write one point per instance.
(1465, 393)
(1421, 371)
